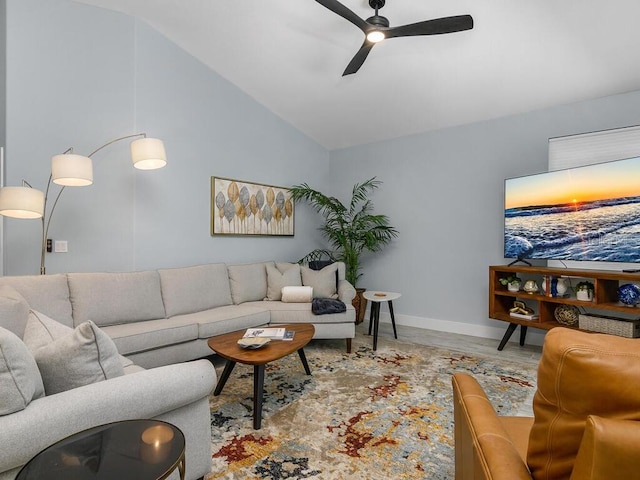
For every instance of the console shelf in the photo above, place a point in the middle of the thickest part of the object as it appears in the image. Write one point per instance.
(606, 283)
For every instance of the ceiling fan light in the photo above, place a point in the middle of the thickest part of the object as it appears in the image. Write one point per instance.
(375, 36)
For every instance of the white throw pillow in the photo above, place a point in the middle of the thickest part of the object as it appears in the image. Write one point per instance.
(323, 281)
(86, 355)
(297, 294)
(277, 279)
(20, 380)
(14, 310)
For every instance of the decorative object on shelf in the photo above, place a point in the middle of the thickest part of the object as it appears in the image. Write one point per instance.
(350, 230)
(530, 286)
(558, 286)
(520, 310)
(567, 315)
(71, 170)
(629, 294)
(246, 208)
(512, 282)
(584, 291)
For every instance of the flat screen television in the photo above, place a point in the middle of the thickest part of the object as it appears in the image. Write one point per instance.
(587, 213)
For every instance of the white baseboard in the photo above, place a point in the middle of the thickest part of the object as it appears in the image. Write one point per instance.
(534, 336)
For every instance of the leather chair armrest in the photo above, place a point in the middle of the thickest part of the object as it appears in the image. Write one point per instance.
(483, 448)
(610, 448)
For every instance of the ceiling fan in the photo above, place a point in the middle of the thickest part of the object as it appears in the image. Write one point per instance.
(377, 28)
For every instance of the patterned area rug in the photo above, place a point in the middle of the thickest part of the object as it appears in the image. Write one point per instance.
(368, 415)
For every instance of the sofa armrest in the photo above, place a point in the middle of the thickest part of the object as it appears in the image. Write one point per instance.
(346, 292)
(610, 448)
(483, 448)
(145, 394)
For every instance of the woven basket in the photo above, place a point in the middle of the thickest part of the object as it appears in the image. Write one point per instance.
(613, 326)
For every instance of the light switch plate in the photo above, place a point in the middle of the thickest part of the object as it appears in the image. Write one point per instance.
(60, 246)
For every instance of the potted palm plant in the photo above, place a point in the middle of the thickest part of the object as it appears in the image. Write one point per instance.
(350, 230)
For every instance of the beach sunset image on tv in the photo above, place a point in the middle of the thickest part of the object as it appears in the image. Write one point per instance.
(589, 213)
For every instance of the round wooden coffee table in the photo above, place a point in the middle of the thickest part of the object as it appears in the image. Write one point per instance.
(140, 449)
(227, 347)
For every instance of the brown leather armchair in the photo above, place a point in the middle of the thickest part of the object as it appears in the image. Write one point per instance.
(586, 422)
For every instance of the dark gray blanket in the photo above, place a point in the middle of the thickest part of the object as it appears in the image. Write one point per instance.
(324, 306)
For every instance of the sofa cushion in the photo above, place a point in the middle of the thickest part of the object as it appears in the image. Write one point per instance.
(114, 298)
(579, 374)
(46, 293)
(277, 279)
(281, 312)
(85, 356)
(323, 281)
(142, 336)
(230, 318)
(193, 289)
(248, 282)
(14, 310)
(20, 380)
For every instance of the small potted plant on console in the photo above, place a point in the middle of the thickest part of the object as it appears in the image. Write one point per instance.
(584, 291)
(512, 282)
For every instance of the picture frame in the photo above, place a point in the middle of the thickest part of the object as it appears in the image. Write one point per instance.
(245, 208)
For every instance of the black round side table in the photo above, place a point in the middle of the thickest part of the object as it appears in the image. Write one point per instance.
(140, 449)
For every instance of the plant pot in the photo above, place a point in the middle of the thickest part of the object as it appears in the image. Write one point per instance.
(360, 304)
(584, 295)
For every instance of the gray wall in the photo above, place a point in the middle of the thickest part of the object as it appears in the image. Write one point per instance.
(81, 76)
(444, 192)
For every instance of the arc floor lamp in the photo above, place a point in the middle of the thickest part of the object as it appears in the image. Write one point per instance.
(72, 170)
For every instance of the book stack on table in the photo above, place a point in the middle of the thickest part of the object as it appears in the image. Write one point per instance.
(272, 333)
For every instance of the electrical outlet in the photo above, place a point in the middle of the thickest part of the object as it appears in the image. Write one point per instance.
(61, 246)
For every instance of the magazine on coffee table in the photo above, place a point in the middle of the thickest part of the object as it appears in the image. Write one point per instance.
(272, 333)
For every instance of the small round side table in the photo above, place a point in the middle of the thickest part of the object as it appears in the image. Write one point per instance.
(140, 449)
(376, 298)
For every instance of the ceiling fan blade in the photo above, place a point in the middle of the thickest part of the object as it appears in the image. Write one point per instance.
(436, 26)
(344, 12)
(359, 58)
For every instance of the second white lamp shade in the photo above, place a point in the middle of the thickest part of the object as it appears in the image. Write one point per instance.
(71, 170)
(148, 153)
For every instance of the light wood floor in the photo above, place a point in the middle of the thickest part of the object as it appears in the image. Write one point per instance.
(529, 354)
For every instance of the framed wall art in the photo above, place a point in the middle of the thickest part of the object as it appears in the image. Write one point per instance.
(246, 208)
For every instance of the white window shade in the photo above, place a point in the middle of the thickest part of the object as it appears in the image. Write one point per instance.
(595, 147)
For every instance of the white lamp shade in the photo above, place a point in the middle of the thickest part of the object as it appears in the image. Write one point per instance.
(71, 170)
(21, 202)
(148, 153)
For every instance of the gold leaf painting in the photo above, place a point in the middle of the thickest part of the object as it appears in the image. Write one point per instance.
(245, 208)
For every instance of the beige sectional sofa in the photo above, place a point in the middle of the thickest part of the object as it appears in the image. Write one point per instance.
(159, 319)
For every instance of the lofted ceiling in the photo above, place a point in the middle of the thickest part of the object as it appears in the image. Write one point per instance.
(289, 56)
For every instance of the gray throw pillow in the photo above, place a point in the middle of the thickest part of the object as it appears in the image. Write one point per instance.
(20, 380)
(14, 310)
(41, 330)
(323, 281)
(87, 355)
(276, 279)
(248, 282)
